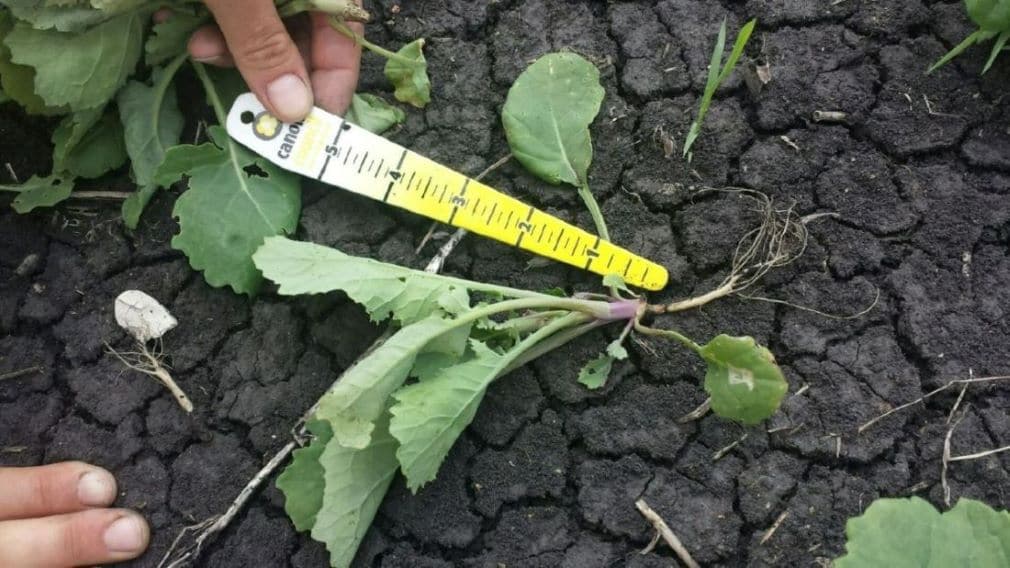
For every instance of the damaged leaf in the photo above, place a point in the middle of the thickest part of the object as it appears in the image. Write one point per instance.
(742, 378)
(235, 200)
(408, 72)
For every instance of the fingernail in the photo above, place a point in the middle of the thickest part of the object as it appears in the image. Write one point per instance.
(125, 534)
(96, 488)
(290, 96)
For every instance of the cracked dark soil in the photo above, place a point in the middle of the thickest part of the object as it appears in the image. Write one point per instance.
(918, 179)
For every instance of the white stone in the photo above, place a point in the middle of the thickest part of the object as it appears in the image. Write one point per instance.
(142, 316)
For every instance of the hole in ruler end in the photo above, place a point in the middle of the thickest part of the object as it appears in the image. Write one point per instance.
(247, 117)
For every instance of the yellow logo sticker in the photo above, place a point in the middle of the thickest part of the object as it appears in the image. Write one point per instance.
(266, 126)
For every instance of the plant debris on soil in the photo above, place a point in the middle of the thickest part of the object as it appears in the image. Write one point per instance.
(915, 183)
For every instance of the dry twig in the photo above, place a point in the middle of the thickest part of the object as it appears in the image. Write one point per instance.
(930, 394)
(668, 535)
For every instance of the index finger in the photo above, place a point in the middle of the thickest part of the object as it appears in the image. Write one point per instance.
(336, 61)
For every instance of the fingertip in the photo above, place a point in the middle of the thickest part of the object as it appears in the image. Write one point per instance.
(207, 45)
(96, 488)
(334, 88)
(127, 536)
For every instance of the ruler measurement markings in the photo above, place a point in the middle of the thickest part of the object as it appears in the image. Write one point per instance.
(492, 213)
(561, 233)
(336, 140)
(462, 193)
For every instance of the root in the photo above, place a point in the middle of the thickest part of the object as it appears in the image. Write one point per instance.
(779, 240)
(148, 362)
(930, 394)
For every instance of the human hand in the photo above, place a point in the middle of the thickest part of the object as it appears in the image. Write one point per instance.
(55, 516)
(288, 71)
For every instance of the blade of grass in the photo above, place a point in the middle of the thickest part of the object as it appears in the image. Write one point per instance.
(717, 73)
(997, 47)
(972, 39)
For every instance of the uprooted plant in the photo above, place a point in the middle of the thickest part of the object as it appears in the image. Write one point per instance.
(404, 404)
(82, 59)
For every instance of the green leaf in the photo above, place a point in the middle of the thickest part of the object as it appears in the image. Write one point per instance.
(228, 209)
(18, 81)
(374, 114)
(977, 36)
(169, 38)
(616, 350)
(997, 48)
(356, 480)
(62, 16)
(911, 533)
(40, 192)
(354, 404)
(594, 374)
(614, 280)
(989, 15)
(429, 415)
(69, 133)
(302, 481)
(153, 124)
(79, 70)
(547, 115)
(383, 289)
(100, 150)
(717, 74)
(408, 72)
(742, 378)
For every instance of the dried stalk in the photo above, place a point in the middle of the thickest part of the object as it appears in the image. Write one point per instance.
(668, 535)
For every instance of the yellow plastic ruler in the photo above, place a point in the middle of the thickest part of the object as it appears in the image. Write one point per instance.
(326, 147)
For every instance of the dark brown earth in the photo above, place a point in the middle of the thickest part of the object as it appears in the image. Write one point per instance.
(918, 180)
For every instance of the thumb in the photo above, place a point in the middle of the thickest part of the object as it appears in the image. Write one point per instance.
(266, 56)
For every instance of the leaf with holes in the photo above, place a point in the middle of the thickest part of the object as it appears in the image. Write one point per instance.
(235, 200)
(39, 192)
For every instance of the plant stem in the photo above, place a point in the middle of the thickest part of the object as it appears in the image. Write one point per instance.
(668, 333)
(594, 211)
(341, 27)
(211, 90)
(552, 343)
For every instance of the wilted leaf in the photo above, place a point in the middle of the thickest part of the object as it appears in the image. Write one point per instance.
(374, 114)
(79, 70)
(594, 374)
(911, 533)
(410, 78)
(383, 289)
(39, 192)
(302, 481)
(228, 209)
(355, 482)
(429, 415)
(743, 379)
(547, 115)
(143, 317)
(153, 124)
